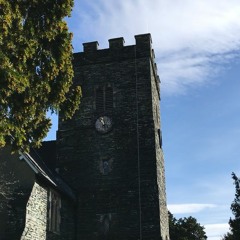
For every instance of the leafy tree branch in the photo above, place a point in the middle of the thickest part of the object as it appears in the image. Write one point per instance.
(234, 223)
(35, 69)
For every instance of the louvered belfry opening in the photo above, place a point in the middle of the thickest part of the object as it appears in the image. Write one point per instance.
(99, 100)
(108, 99)
(104, 99)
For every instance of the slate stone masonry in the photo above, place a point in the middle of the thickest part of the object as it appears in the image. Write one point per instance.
(36, 214)
(127, 201)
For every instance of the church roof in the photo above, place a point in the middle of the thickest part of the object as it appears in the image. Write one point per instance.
(47, 152)
(42, 162)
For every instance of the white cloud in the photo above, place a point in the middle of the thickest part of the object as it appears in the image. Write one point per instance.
(213, 224)
(216, 231)
(190, 38)
(188, 208)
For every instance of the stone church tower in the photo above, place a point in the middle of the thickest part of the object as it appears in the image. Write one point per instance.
(110, 152)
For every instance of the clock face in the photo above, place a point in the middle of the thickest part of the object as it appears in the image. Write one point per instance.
(103, 124)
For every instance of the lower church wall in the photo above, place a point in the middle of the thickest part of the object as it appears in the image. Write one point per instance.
(12, 214)
(36, 214)
(16, 181)
(67, 226)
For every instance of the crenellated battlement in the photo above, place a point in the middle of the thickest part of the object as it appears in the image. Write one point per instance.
(143, 41)
(90, 46)
(117, 52)
(116, 43)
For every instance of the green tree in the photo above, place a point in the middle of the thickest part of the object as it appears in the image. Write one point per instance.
(228, 236)
(185, 229)
(173, 226)
(234, 223)
(35, 69)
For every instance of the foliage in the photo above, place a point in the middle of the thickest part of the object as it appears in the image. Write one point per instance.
(185, 229)
(35, 69)
(8, 182)
(235, 207)
(228, 236)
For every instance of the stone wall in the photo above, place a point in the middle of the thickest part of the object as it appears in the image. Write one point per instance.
(24, 203)
(36, 214)
(124, 203)
(163, 214)
(16, 181)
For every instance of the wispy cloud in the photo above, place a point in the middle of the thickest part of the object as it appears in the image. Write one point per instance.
(188, 208)
(191, 38)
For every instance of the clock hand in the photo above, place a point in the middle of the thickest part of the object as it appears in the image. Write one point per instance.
(102, 121)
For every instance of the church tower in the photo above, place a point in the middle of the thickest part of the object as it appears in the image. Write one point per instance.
(110, 152)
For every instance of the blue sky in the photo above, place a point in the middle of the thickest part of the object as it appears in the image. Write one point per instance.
(197, 47)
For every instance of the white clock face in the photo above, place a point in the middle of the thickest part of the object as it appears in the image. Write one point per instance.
(103, 124)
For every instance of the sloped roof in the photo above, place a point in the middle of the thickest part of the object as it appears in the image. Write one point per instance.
(42, 161)
(47, 152)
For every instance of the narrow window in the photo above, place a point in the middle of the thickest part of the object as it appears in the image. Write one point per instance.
(157, 115)
(104, 99)
(99, 100)
(105, 167)
(105, 225)
(160, 137)
(54, 203)
(108, 98)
